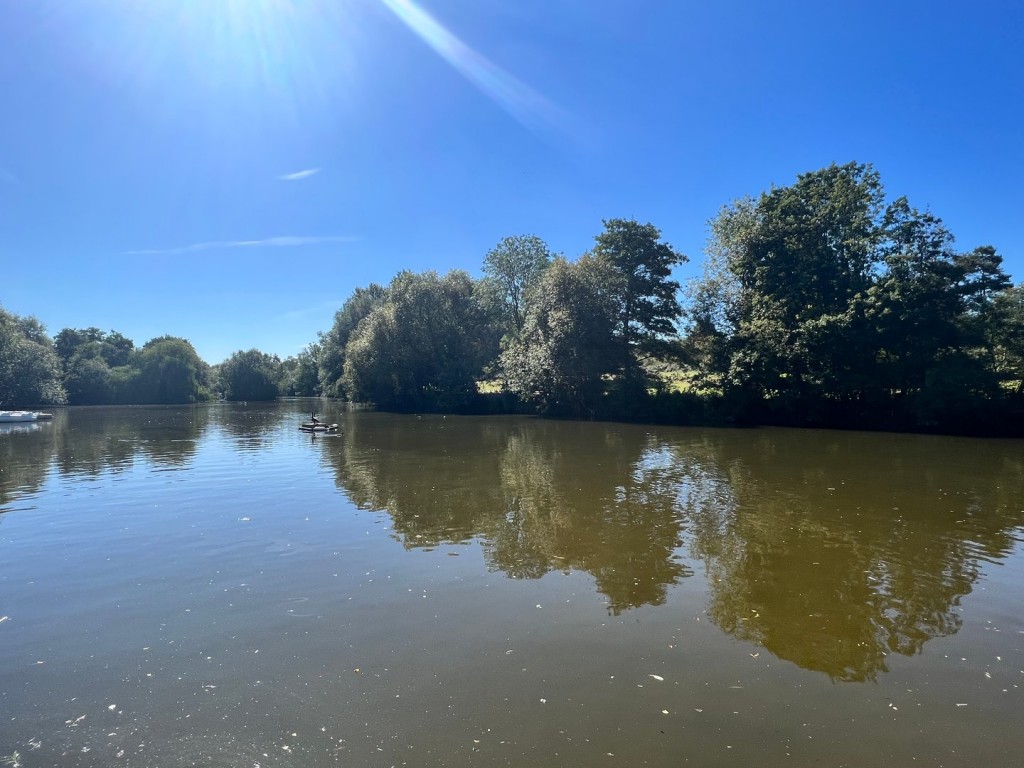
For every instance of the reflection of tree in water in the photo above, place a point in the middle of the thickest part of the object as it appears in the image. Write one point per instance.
(435, 476)
(836, 550)
(542, 496)
(25, 458)
(832, 550)
(251, 425)
(594, 499)
(97, 440)
(94, 440)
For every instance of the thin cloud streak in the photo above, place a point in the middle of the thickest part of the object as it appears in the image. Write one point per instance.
(270, 242)
(299, 174)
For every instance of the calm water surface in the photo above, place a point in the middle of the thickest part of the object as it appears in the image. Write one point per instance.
(209, 586)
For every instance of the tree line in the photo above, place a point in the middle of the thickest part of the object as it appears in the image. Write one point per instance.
(87, 366)
(820, 303)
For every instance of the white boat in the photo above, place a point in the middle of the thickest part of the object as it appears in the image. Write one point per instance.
(19, 416)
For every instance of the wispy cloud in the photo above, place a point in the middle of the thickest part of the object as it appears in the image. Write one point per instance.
(287, 241)
(299, 174)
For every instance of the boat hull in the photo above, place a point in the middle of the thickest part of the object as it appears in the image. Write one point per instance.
(7, 417)
(318, 427)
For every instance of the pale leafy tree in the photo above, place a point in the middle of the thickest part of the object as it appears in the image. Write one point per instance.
(1007, 337)
(29, 367)
(511, 269)
(422, 348)
(712, 311)
(331, 360)
(567, 345)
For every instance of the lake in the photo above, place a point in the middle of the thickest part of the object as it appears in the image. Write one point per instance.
(210, 586)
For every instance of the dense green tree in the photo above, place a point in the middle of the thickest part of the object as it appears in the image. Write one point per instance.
(423, 347)
(306, 382)
(300, 375)
(807, 252)
(646, 298)
(29, 367)
(166, 369)
(67, 342)
(713, 300)
(820, 301)
(511, 269)
(250, 375)
(88, 378)
(331, 360)
(113, 347)
(567, 345)
(1007, 338)
(88, 357)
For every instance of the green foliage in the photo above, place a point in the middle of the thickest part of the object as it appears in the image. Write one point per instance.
(113, 347)
(331, 361)
(250, 375)
(165, 370)
(820, 302)
(88, 357)
(300, 375)
(89, 380)
(1006, 336)
(646, 299)
(567, 344)
(800, 258)
(29, 366)
(511, 269)
(423, 347)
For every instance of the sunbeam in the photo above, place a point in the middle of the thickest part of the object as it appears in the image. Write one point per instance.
(530, 108)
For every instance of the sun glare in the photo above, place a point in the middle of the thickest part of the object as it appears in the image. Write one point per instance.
(515, 97)
(287, 48)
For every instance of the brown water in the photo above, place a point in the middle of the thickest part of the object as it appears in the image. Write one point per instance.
(209, 586)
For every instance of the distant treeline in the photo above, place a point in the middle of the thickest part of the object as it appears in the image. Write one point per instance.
(819, 304)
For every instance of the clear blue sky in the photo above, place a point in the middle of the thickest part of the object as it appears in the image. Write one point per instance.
(230, 170)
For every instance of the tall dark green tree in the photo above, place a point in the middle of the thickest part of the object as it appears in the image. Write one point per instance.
(822, 302)
(810, 251)
(646, 297)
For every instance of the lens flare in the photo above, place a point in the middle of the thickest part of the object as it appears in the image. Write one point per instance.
(523, 103)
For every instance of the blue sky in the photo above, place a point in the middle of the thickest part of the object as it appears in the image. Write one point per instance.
(230, 170)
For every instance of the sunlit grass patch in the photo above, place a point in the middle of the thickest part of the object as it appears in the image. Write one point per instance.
(489, 387)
